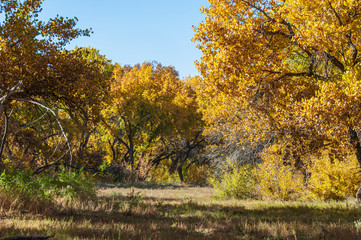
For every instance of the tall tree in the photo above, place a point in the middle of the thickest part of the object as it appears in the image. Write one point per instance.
(150, 105)
(290, 66)
(85, 121)
(35, 68)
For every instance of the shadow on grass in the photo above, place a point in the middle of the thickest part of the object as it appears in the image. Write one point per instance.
(194, 220)
(149, 185)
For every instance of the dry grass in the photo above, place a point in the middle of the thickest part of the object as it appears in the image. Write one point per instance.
(182, 212)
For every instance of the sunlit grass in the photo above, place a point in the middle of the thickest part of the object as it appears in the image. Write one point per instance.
(181, 212)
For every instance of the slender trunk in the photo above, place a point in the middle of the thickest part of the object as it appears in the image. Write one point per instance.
(84, 136)
(131, 159)
(180, 173)
(112, 147)
(3, 140)
(356, 144)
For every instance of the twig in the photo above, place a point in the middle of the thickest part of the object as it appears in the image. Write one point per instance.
(27, 125)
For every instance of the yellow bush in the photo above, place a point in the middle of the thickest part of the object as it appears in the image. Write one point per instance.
(278, 181)
(233, 181)
(335, 179)
(197, 174)
(161, 173)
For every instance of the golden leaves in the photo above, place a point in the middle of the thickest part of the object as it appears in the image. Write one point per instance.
(291, 67)
(150, 102)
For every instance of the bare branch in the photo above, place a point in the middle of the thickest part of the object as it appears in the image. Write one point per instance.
(57, 146)
(353, 47)
(291, 75)
(40, 169)
(31, 123)
(273, 33)
(335, 61)
(336, 14)
(57, 120)
(283, 22)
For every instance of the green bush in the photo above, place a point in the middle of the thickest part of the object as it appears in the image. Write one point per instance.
(22, 183)
(22, 191)
(73, 185)
(233, 181)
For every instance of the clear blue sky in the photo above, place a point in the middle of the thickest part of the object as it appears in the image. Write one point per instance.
(130, 32)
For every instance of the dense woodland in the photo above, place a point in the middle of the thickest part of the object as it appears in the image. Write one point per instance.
(275, 112)
(255, 147)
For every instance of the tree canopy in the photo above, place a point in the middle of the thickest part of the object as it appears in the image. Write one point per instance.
(150, 105)
(35, 68)
(290, 66)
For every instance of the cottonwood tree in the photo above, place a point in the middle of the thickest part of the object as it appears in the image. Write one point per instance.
(292, 67)
(150, 109)
(83, 123)
(34, 67)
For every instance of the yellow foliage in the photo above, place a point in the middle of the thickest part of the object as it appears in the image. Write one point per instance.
(150, 105)
(287, 67)
(336, 179)
(233, 181)
(275, 180)
(197, 174)
(161, 174)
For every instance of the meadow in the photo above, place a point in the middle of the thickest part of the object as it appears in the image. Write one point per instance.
(176, 211)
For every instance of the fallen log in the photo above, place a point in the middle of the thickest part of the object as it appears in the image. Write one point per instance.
(28, 238)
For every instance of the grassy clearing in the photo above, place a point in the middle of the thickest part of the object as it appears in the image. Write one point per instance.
(184, 212)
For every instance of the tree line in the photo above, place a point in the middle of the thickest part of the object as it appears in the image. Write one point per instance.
(276, 79)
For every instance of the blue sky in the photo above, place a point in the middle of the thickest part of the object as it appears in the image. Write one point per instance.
(131, 32)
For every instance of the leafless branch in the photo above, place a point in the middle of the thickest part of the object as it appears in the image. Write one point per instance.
(57, 146)
(57, 120)
(31, 123)
(353, 47)
(336, 14)
(335, 61)
(40, 169)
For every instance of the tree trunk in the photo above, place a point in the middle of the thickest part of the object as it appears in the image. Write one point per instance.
(180, 173)
(3, 140)
(355, 143)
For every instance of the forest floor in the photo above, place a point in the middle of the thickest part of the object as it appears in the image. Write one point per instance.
(186, 212)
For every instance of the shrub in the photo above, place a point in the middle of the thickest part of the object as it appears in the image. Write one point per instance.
(20, 191)
(275, 180)
(160, 173)
(73, 185)
(233, 181)
(197, 174)
(333, 179)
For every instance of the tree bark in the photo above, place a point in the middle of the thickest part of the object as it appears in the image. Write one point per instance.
(355, 143)
(180, 173)
(3, 140)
